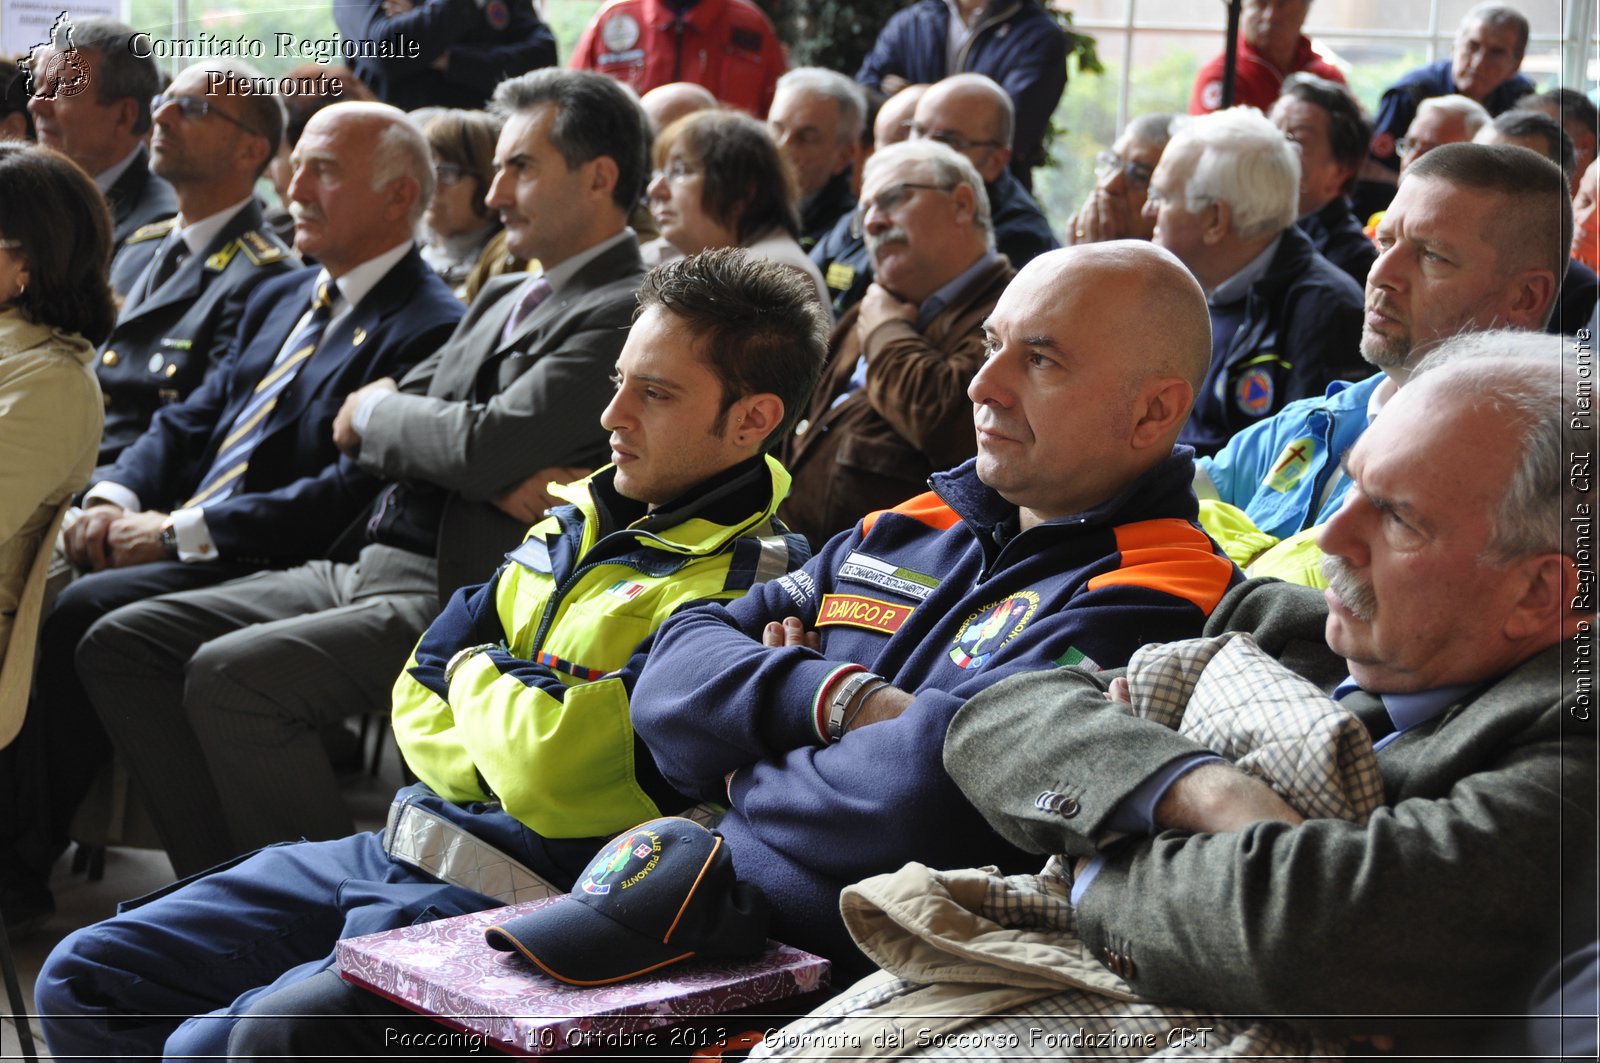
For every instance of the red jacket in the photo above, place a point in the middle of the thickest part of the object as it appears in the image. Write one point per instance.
(726, 45)
(1258, 82)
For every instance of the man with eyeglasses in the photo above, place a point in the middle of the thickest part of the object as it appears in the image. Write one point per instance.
(1115, 208)
(1483, 66)
(1018, 43)
(185, 280)
(973, 115)
(216, 697)
(1441, 120)
(1284, 320)
(242, 475)
(892, 409)
(100, 123)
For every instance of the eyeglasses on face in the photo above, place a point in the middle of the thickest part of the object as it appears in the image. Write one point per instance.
(948, 137)
(1107, 163)
(194, 108)
(885, 201)
(676, 171)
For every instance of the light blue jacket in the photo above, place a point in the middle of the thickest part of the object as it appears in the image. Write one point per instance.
(1276, 470)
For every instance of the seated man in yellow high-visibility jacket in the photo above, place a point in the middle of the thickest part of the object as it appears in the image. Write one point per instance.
(513, 710)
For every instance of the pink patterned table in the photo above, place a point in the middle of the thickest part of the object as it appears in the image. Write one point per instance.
(445, 969)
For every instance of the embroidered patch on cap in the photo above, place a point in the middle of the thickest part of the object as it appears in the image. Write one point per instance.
(626, 862)
(984, 632)
(853, 610)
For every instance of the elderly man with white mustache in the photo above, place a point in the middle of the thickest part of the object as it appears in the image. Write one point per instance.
(1423, 916)
(893, 408)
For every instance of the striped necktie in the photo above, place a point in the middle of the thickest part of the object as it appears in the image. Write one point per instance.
(233, 456)
(535, 292)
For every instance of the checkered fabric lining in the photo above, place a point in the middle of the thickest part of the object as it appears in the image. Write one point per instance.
(1228, 694)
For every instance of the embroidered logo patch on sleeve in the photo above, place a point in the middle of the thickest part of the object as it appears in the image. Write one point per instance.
(1254, 392)
(854, 610)
(1293, 462)
(984, 632)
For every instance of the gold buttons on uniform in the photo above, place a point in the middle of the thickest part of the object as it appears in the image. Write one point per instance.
(110, 359)
(171, 370)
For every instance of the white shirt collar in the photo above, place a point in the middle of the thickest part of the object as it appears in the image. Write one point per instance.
(197, 235)
(355, 284)
(560, 275)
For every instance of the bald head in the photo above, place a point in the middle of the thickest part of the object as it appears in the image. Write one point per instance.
(893, 123)
(665, 104)
(363, 174)
(1156, 302)
(973, 115)
(1095, 354)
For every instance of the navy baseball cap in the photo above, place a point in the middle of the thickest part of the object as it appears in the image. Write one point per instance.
(656, 895)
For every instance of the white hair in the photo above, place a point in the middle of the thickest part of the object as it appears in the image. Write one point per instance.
(850, 97)
(1527, 376)
(1470, 111)
(945, 167)
(1245, 162)
(402, 151)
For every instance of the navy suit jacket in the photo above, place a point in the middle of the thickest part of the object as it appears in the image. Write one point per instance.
(298, 492)
(138, 198)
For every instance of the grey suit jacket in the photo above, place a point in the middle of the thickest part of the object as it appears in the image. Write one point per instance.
(1447, 901)
(482, 415)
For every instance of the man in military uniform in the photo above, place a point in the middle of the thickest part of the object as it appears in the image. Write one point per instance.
(186, 279)
(91, 102)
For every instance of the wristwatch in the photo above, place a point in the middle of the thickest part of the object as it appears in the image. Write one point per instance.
(169, 540)
(462, 656)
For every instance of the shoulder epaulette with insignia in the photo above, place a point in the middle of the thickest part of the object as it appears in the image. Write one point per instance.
(151, 231)
(220, 260)
(259, 249)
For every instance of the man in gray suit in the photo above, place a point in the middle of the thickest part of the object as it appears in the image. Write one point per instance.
(221, 695)
(1461, 593)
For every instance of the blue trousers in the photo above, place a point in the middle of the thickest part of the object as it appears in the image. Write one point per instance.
(171, 974)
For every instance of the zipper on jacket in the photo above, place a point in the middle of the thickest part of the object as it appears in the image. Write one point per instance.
(983, 24)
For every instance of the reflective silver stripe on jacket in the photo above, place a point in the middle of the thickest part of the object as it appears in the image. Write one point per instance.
(420, 839)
